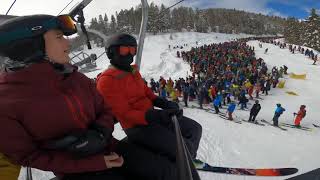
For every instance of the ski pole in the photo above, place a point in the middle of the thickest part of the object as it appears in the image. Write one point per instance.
(185, 166)
(29, 174)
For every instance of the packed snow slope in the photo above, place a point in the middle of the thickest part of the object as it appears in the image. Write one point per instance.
(229, 144)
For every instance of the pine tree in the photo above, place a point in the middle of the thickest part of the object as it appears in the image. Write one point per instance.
(153, 19)
(106, 24)
(291, 32)
(94, 23)
(164, 19)
(312, 34)
(101, 23)
(113, 24)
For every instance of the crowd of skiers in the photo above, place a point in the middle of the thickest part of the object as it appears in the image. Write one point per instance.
(294, 48)
(222, 74)
(182, 88)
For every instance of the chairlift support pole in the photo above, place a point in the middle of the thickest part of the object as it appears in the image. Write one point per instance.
(143, 29)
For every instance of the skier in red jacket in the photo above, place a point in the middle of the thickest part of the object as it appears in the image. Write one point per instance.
(300, 115)
(133, 103)
(53, 116)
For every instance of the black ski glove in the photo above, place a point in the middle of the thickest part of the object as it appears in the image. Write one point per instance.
(172, 112)
(165, 104)
(162, 116)
(90, 142)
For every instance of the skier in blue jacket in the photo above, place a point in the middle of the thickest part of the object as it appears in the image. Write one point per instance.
(216, 104)
(230, 110)
(277, 114)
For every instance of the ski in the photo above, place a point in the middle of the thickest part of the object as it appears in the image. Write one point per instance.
(269, 123)
(293, 126)
(256, 122)
(202, 166)
(226, 118)
(317, 126)
(245, 109)
(212, 111)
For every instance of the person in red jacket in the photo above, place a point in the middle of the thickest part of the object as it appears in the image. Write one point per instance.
(300, 115)
(133, 103)
(52, 117)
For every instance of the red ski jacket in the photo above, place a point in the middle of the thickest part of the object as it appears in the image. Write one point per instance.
(128, 95)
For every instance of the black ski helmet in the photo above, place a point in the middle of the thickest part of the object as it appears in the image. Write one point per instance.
(21, 38)
(118, 40)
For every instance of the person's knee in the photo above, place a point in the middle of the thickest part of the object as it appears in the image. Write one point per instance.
(192, 124)
(198, 128)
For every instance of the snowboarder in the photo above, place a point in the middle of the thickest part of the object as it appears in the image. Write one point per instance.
(133, 103)
(254, 111)
(277, 114)
(300, 115)
(265, 51)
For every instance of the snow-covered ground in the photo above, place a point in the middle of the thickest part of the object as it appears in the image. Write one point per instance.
(230, 144)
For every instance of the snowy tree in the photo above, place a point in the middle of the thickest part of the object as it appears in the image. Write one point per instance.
(106, 23)
(113, 24)
(312, 34)
(200, 21)
(153, 19)
(292, 31)
(94, 23)
(101, 26)
(164, 19)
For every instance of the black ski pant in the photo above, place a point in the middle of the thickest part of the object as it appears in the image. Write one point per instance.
(185, 99)
(139, 163)
(216, 108)
(201, 98)
(114, 174)
(161, 138)
(276, 120)
(252, 117)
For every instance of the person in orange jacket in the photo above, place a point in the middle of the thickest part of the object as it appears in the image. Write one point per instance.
(300, 115)
(132, 102)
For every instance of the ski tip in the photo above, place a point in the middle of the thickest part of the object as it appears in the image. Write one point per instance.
(288, 171)
(276, 172)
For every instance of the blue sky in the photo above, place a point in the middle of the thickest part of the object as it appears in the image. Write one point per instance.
(297, 8)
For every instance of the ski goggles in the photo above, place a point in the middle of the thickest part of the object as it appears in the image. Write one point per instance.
(67, 25)
(125, 50)
(62, 22)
